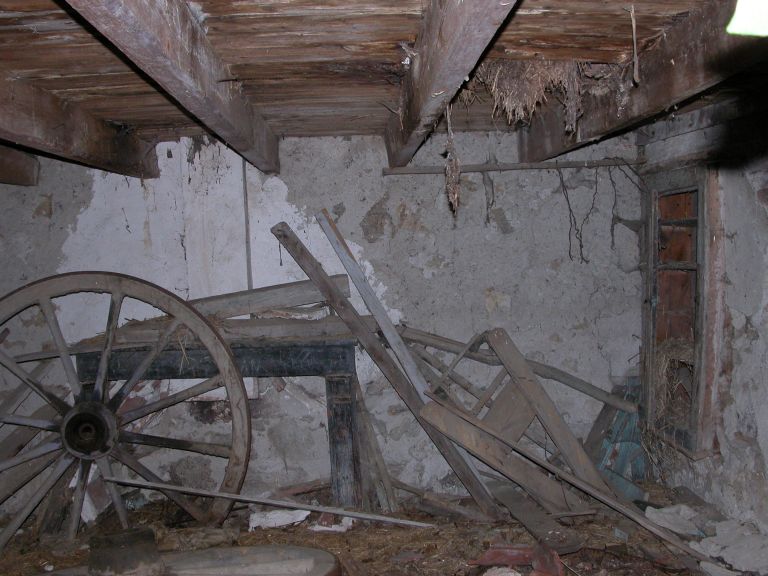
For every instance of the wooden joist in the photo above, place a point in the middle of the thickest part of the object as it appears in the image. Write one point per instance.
(38, 120)
(691, 56)
(165, 40)
(453, 37)
(17, 167)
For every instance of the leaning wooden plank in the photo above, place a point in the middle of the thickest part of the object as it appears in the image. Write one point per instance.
(572, 451)
(263, 299)
(510, 413)
(266, 501)
(543, 370)
(546, 491)
(384, 361)
(436, 412)
(169, 44)
(544, 527)
(400, 350)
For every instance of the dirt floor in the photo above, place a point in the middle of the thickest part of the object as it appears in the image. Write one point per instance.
(375, 549)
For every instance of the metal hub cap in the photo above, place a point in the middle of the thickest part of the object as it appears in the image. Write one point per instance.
(89, 430)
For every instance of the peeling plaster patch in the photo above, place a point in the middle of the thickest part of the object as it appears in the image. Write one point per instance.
(192, 471)
(338, 211)
(376, 219)
(499, 217)
(496, 301)
(210, 412)
(45, 207)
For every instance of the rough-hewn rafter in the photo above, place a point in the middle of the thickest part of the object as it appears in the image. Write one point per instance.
(36, 119)
(691, 56)
(453, 37)
(17, 167)
(164, 39)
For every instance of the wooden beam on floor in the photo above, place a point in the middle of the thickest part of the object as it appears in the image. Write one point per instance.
(36, 119)
(453, 37)
(166, 41)
(691, 56)
(17, 167)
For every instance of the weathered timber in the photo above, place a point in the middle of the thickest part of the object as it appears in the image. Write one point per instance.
(17, 167)
(435, 412)
(38, 120)
(252, 361)
(451, 41)
(527, 383)
(508, 167)
(168, 43)
(547, 492)
(342, 429)
(384, 324)
(262, 299)
(541, 525)
(691, 56)
(544, 370)
(266, 501)
(375, 477)
(384, 361)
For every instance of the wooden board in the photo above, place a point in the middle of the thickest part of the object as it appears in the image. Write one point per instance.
(570, 448)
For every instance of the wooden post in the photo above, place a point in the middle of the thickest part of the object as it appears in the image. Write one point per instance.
(345, 467)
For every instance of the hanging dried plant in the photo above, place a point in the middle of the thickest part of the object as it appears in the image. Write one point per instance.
(452, 168)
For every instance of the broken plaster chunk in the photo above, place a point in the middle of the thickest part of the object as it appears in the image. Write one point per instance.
(345, 524)
(276, 518)
(740, 545)
(502, 572)
(678, 518)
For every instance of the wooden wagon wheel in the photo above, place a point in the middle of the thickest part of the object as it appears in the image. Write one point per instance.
(79, 426)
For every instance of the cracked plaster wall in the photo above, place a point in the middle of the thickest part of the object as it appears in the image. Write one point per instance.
(455, 276)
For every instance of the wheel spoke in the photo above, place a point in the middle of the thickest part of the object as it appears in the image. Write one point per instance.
(159, 346)
(31, 454)
(126, 458)
(207, 448)
(38, 423)
(61, 406)
(65, 461)
(61, 345)
(15, 480)
(156, 406)
(105, 469)
(78, 498)
(115, 304)
(22, 392)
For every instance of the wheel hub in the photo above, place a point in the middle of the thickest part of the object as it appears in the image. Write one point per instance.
(89, 430)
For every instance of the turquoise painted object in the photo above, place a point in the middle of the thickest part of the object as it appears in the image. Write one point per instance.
(622, 458)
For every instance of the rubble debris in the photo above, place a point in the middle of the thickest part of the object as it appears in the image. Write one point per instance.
(544, 560)
(343, 526)
(678, 518)
(275, 518)
(740, 545)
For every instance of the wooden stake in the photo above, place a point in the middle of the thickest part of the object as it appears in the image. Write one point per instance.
(266, 501)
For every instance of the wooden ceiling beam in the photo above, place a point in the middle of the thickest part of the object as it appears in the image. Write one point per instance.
(165, 41)
(692, 56)
(36, 119)
(17, 167)
(453, 37)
